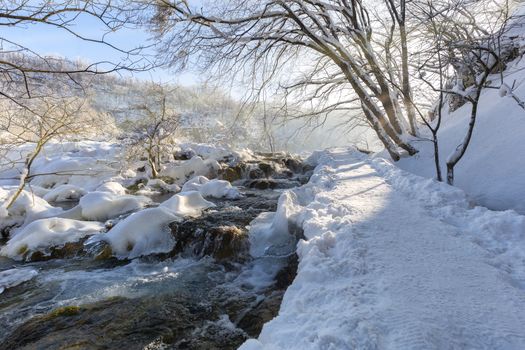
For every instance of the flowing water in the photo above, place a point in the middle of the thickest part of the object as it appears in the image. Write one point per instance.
(208, 293)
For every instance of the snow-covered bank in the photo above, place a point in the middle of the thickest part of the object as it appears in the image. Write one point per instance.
(492, 172)
(396, 261)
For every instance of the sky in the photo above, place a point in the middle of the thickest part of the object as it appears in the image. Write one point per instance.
(47, 40)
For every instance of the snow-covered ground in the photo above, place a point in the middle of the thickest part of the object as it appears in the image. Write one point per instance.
(492, 171)
(395, 261)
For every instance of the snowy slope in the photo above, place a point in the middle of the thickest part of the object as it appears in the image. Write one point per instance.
(492, 171)
(395, 261)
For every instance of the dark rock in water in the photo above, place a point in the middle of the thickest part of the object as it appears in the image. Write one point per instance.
(220, 242)
(295, 165)
(184, 155)
(267, 169)
(256, 174)
(253, 321)
(232, 174)
(67, 251)
(265, 184)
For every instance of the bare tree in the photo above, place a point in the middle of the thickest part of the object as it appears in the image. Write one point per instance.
(57, 119)
(339, 39)
(470, 45)
(153, 125)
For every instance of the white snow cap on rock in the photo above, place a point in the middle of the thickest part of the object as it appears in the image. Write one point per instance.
(101, 206)
(187, 204)
(195, 166)
(211, 188)
(43, 234)
(141, 233)
(64, 193)
(147, 232)
(28, 207)
(112, 187)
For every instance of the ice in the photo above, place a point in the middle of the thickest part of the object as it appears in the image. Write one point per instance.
(14, 277)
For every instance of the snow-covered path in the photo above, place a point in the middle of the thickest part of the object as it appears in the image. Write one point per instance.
(386, 267)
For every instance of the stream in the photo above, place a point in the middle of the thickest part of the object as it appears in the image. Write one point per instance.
(207, 293)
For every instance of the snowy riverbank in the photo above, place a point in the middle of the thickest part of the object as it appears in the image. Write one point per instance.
(395, 261)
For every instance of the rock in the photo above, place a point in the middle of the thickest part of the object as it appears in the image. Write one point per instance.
(253, 320)
(263, 184)
(224, 243)
(267, 169)
(232, 174)
(256, 173)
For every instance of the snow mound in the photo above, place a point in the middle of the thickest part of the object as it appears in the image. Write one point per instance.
(64, 193)
(43, 234)
(102, 206)
(27, 208)
(14, 277)
(147, 231)
(187, 204)
(218, 153)
(162, 185)
(193, 167)
(112, 187)
(211, 188)
(142, 233)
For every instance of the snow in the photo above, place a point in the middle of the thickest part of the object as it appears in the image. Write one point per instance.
(272, 234)
(142, 233)
(101, 206)
(42, 234)
(395, 261)
(211, 188)
(195, 166)
(64, 193)
(112, 187)
(491, 170)
(147, 231)
(162, 185)
(187, 204)
(218, 153)
(27, 208)
(14, 277)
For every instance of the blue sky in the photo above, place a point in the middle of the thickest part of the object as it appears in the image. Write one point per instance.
(46, 40)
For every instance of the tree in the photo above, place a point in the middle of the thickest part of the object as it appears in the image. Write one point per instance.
(153, 125)
(465, 44)
(38, 122)
(44, 98)
(342, 41)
